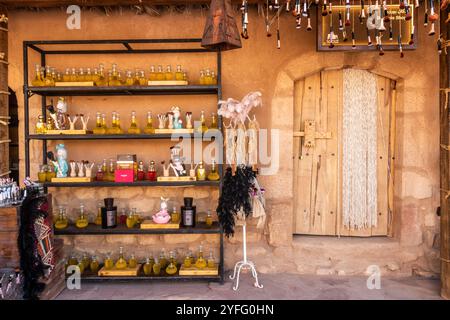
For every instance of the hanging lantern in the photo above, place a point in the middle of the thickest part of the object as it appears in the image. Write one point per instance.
(221, 32)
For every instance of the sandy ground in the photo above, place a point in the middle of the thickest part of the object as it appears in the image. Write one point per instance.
(276, 286)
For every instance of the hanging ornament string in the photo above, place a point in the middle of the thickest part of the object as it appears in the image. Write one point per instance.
(400, 47)
(353, 28)
(278, 30)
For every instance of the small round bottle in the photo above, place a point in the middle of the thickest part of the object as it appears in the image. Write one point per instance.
(121, 263)
(94, 265)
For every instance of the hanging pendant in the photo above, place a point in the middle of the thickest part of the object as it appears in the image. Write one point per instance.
(324, 10)
(411, 40)
(353, 40)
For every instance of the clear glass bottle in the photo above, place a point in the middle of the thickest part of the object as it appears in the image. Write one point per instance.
(175, 215)
(129, 80)
(136, 77)
(102, 81)
(109, 263)
(151, 172)
(213, 175)
(162, 258)
(51, 173)
(160, 74)
(132, 262)
(61, 222)
(188, 259)
(99, 129)
(171, 268)
(82, 221)
(152, 75)
(179, 74)
(142, 78)
(118, 127)
(88, 77)
(113, 128)
(41, 127)
(94, 265)
(203, 128)
(157, 267)
(211, 262)
(209, 219)
(213, 121)
(213, 78)
(149, 127)
(104, 122)
(130, 220)
(72, 261)
(134, 128)
(98, 218)
(200, 263)
(86, 261)
(95, 76)
(81, 75)
(148, 267)
(42, 174)
(49, 80)
(114, 78)
(66, 76)
(37, 81)
(202, 77)
(201, 172)
(73, 75)
(169, 74)
(111, 170)
(121, 263)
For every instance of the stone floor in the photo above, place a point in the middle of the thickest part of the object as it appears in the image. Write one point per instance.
(276, 286)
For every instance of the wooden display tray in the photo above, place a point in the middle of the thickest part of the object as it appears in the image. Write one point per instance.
(114, 272)
(149, 224)
(170, 131)
(186, 178)
(168, 83)
(68, 132)
(193, 271)
(75, 84)
(72, 179)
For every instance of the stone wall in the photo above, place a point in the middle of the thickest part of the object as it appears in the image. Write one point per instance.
(258, 66)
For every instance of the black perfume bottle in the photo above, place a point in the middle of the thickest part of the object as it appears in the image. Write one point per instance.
(188, 213)
(109, 214)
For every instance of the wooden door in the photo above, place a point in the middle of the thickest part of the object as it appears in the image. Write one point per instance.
(317, 157)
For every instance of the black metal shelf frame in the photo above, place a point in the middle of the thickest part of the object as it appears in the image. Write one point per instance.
(46, 48)
(143, 183)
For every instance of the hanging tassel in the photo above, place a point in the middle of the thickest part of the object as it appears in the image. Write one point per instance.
(400, 47)
(369, 40)
(411, 40)
(347, 9)
(341, 24)
(386, 14)
(305, 8)
(298, 22)
(244, 11)
(425, 19)
(297, 8)
(433, 15)
(391, 33)
(278, 31)
(408, 15)
(268, 33)
(362, 15)
(353, 40)
(288, 5)
(330, 8)
(378, 36)
(309, 27)
(276, 5)
(432, 31)
(324, 10)
(331, 33)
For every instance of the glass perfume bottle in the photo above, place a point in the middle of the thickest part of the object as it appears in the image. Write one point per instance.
(151, 173)
(134, 128)
(73, 75)
(109, 263)
(81, 77)
(99, 129)
(114, 79)
(201, 172)
(118, 127)
(188, 259)
(72, 261)
(42, 174)
(160, 74)
(102, 81)
(175, 215)
(41, 127)
(61, 222)
(149, 129)
(113, 128)
(213, 78)
(51, 173)
(100, 174)
(88, 76)
(121, 263)
(49, 124)
(162, 258)
(81, 267)
(202, 77)
(94, 266)
(200, 263)
(179, 73)
(82, 221)
(152, 75)
(148, 267)
(136, 216)
(48, 80)
(37, 81)
(104, 122)
(172, 266)
(213, 121)
(86, 261)
(136, 77)
(129, 80)
(132, 262)
(130, 220)
(66, 75)
(98, 218)
(95, 76)
(111, 170)
(156, 267)
(168, 75)
(142, 78)
(203, 128)
(208, 79)
(141, 172)
(213, 175)
(211, 262)
(123, 216)
(209, 219)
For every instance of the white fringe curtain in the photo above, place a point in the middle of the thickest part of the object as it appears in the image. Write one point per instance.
(359, 138)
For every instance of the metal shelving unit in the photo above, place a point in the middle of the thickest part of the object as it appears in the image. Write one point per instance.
(84, 47)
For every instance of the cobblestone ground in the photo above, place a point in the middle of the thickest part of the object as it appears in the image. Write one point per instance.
(276, 286)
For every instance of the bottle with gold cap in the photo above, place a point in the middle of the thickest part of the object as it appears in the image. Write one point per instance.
(202, 128)
(152, 75)
(37, 81)
(172, 266)
(179, 73)
(201, 171)
(94, 265)
(41, 127)
(109, 263)
(169, 74)
(149, 129)
(99, 129)
(61, 222)
(200, 263)
(98, 218)
(160, 76)
(134, 128)
(82, 221)
(121, 263)
(213, 175)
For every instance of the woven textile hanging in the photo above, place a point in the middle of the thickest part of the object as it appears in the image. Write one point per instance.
(359, 154)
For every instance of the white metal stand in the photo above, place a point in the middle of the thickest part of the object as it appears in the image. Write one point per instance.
(244, 264)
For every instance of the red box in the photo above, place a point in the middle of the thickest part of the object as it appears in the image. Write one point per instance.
(124, 175)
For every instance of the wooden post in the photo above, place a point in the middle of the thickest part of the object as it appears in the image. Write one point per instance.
(444, 163)
(4, 105)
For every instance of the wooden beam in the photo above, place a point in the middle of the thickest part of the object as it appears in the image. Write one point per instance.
(17, 4)
(444, 164)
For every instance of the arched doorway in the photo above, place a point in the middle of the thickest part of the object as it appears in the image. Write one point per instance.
(344, 124)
